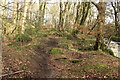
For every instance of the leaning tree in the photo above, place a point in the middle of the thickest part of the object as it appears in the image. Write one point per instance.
(101, 6)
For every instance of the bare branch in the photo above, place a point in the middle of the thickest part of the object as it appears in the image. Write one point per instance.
(12, 73)
(5, 7)
(95, 5)
(113, 6)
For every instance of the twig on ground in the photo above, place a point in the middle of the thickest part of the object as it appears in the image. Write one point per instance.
(11, 73)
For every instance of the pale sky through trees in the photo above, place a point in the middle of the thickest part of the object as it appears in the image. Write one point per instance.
(108, 19)
(52, 1)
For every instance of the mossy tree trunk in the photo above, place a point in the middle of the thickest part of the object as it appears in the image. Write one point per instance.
(101, 6)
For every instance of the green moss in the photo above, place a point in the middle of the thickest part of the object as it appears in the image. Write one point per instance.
(75, 32)
(75, 60)
(2, 35)
(19, 49)
(63, 58)
(109, 51)
(35, 32)
(99, 68)
(22, 38)
(87, 42)
(56, 51)
(69, 36)
(53, 31)
(11, 44)
(114, 38)
(85, 45)
(64, 43)
(34, 43)
(106, 50)
(29, 30)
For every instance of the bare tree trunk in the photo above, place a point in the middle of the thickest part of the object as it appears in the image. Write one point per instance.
(116, 10)
(24, 16)
(43, 13)
(15, 16)
(101, 6)
(1, 32)
(77, 14)
(42, 6)
(62, 15)
(81, 15)
(82, 12)
(15, 12)
(67, 16)
(86, 7)
(29, 9)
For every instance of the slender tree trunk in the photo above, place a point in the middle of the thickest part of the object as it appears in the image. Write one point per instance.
(43, 13)
(42, 6)
(62, 16)
(77, 14)
(1, 32)
(29, 10)
(24, 16)
(86, 7)
(15, 16)
(82, 12)
(81, 18)
(15, 12)
(116, 10)
(101, 6)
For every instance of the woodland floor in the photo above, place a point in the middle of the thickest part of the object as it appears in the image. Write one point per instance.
(37, 62)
